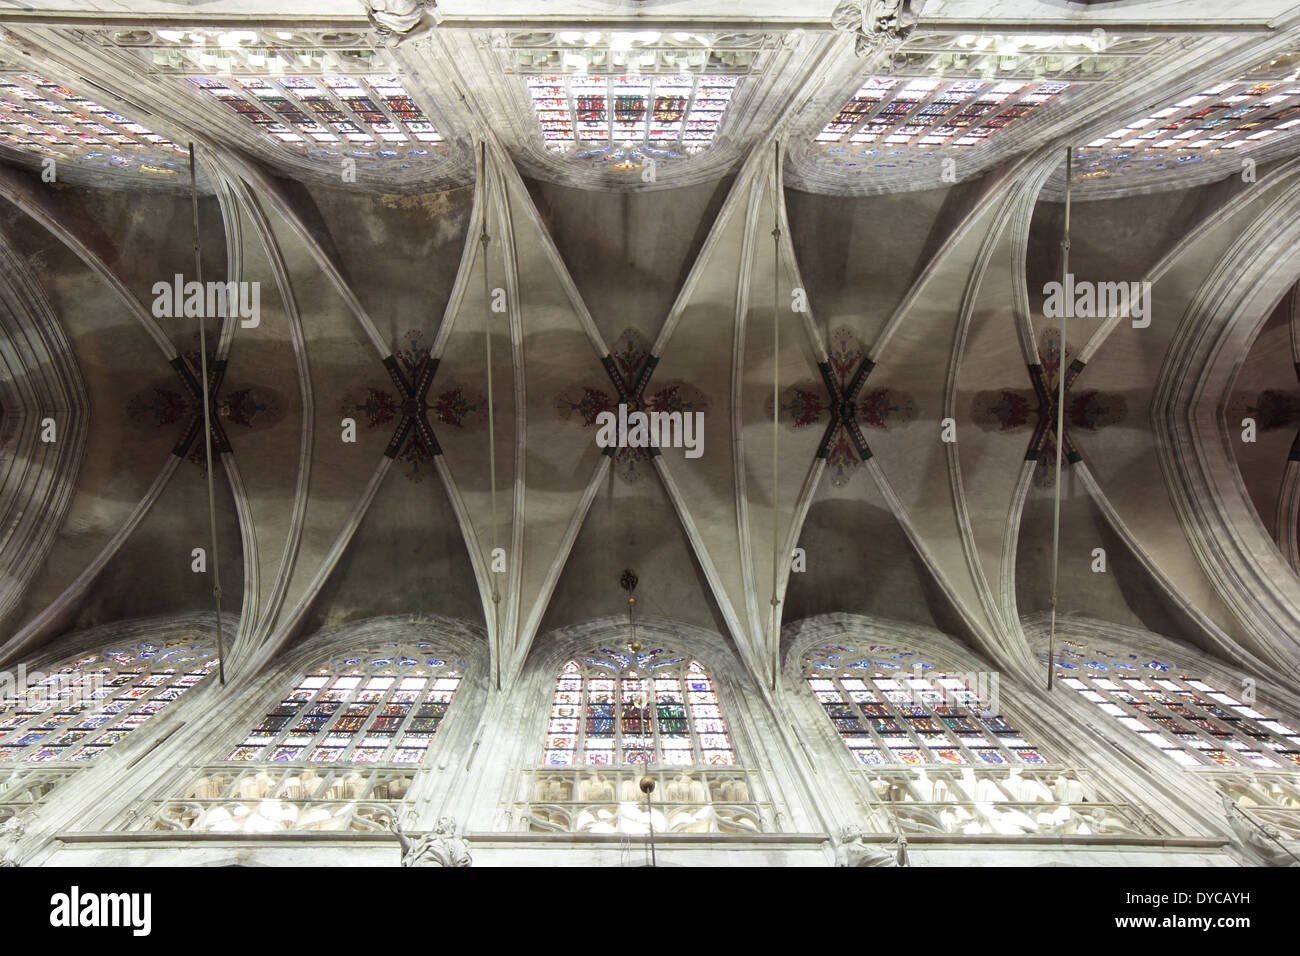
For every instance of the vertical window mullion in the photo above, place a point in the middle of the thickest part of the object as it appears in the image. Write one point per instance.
(350, 747)
(319, 735)
(609, 108)
(375, 716)
(651, 697)
(618, 719)
(692, 732)
(856, 708)
(580, 738)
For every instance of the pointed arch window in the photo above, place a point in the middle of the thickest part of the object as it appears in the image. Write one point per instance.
(1187, 718)
(891, 707)
(657, 707)
(79, 711)
(39, 116)
(382, 706)
(675, 114)
(929, 112)
(371, 115)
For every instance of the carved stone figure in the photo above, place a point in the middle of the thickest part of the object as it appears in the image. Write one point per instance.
(679, 789)
(1026, 790)
(595, 790)
(349, 788)
(854, 850)
(208, 788)
(1011, 820)
(1069, 790)
(629, 792)
(552, 790)
(298, 788)
(735, 791)
(255, 788)
(442, 847)
(877, 25)
(11, 831)
(398, 18)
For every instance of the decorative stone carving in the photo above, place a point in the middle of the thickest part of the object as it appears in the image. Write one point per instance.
(400, 18)
(553, 789)
(1262, 839)
(877, 25)
(684, 789)
(11, 831)
(595, 790)
(1017, 802)
(442, 847)
(1273, 800)
(611, 801)
(854, 850)
(221, 799)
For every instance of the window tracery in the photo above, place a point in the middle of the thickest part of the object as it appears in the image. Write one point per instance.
(1187, 718)
(675, 114)
(1229, 115)
(1011, 801)
(892, 708)
(337, 752)
(1084, 58)
(936, 755)
(928, 112)
(251, 51)
(1238, 113)
(619, 718)
(39, 116)
(382, 706)
(77, 712)
(623, 708)
(370, 116)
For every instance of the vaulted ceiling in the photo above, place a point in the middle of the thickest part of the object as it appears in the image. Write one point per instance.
(653, 189)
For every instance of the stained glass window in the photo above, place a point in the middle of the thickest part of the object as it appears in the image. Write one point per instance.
(37, 115)
(378, 707)
(1236, 113)
(370, 115)
(890, 707)
(681, 113)
(1188, 719)
(1223, 116)
(928, 112)
(620, 708)
(79, 711)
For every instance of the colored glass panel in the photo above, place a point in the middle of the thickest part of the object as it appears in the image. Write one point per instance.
(886, 717)
(1189, 719)
(932, 113)
(111, 693)
(355, 717)
(613, 713)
